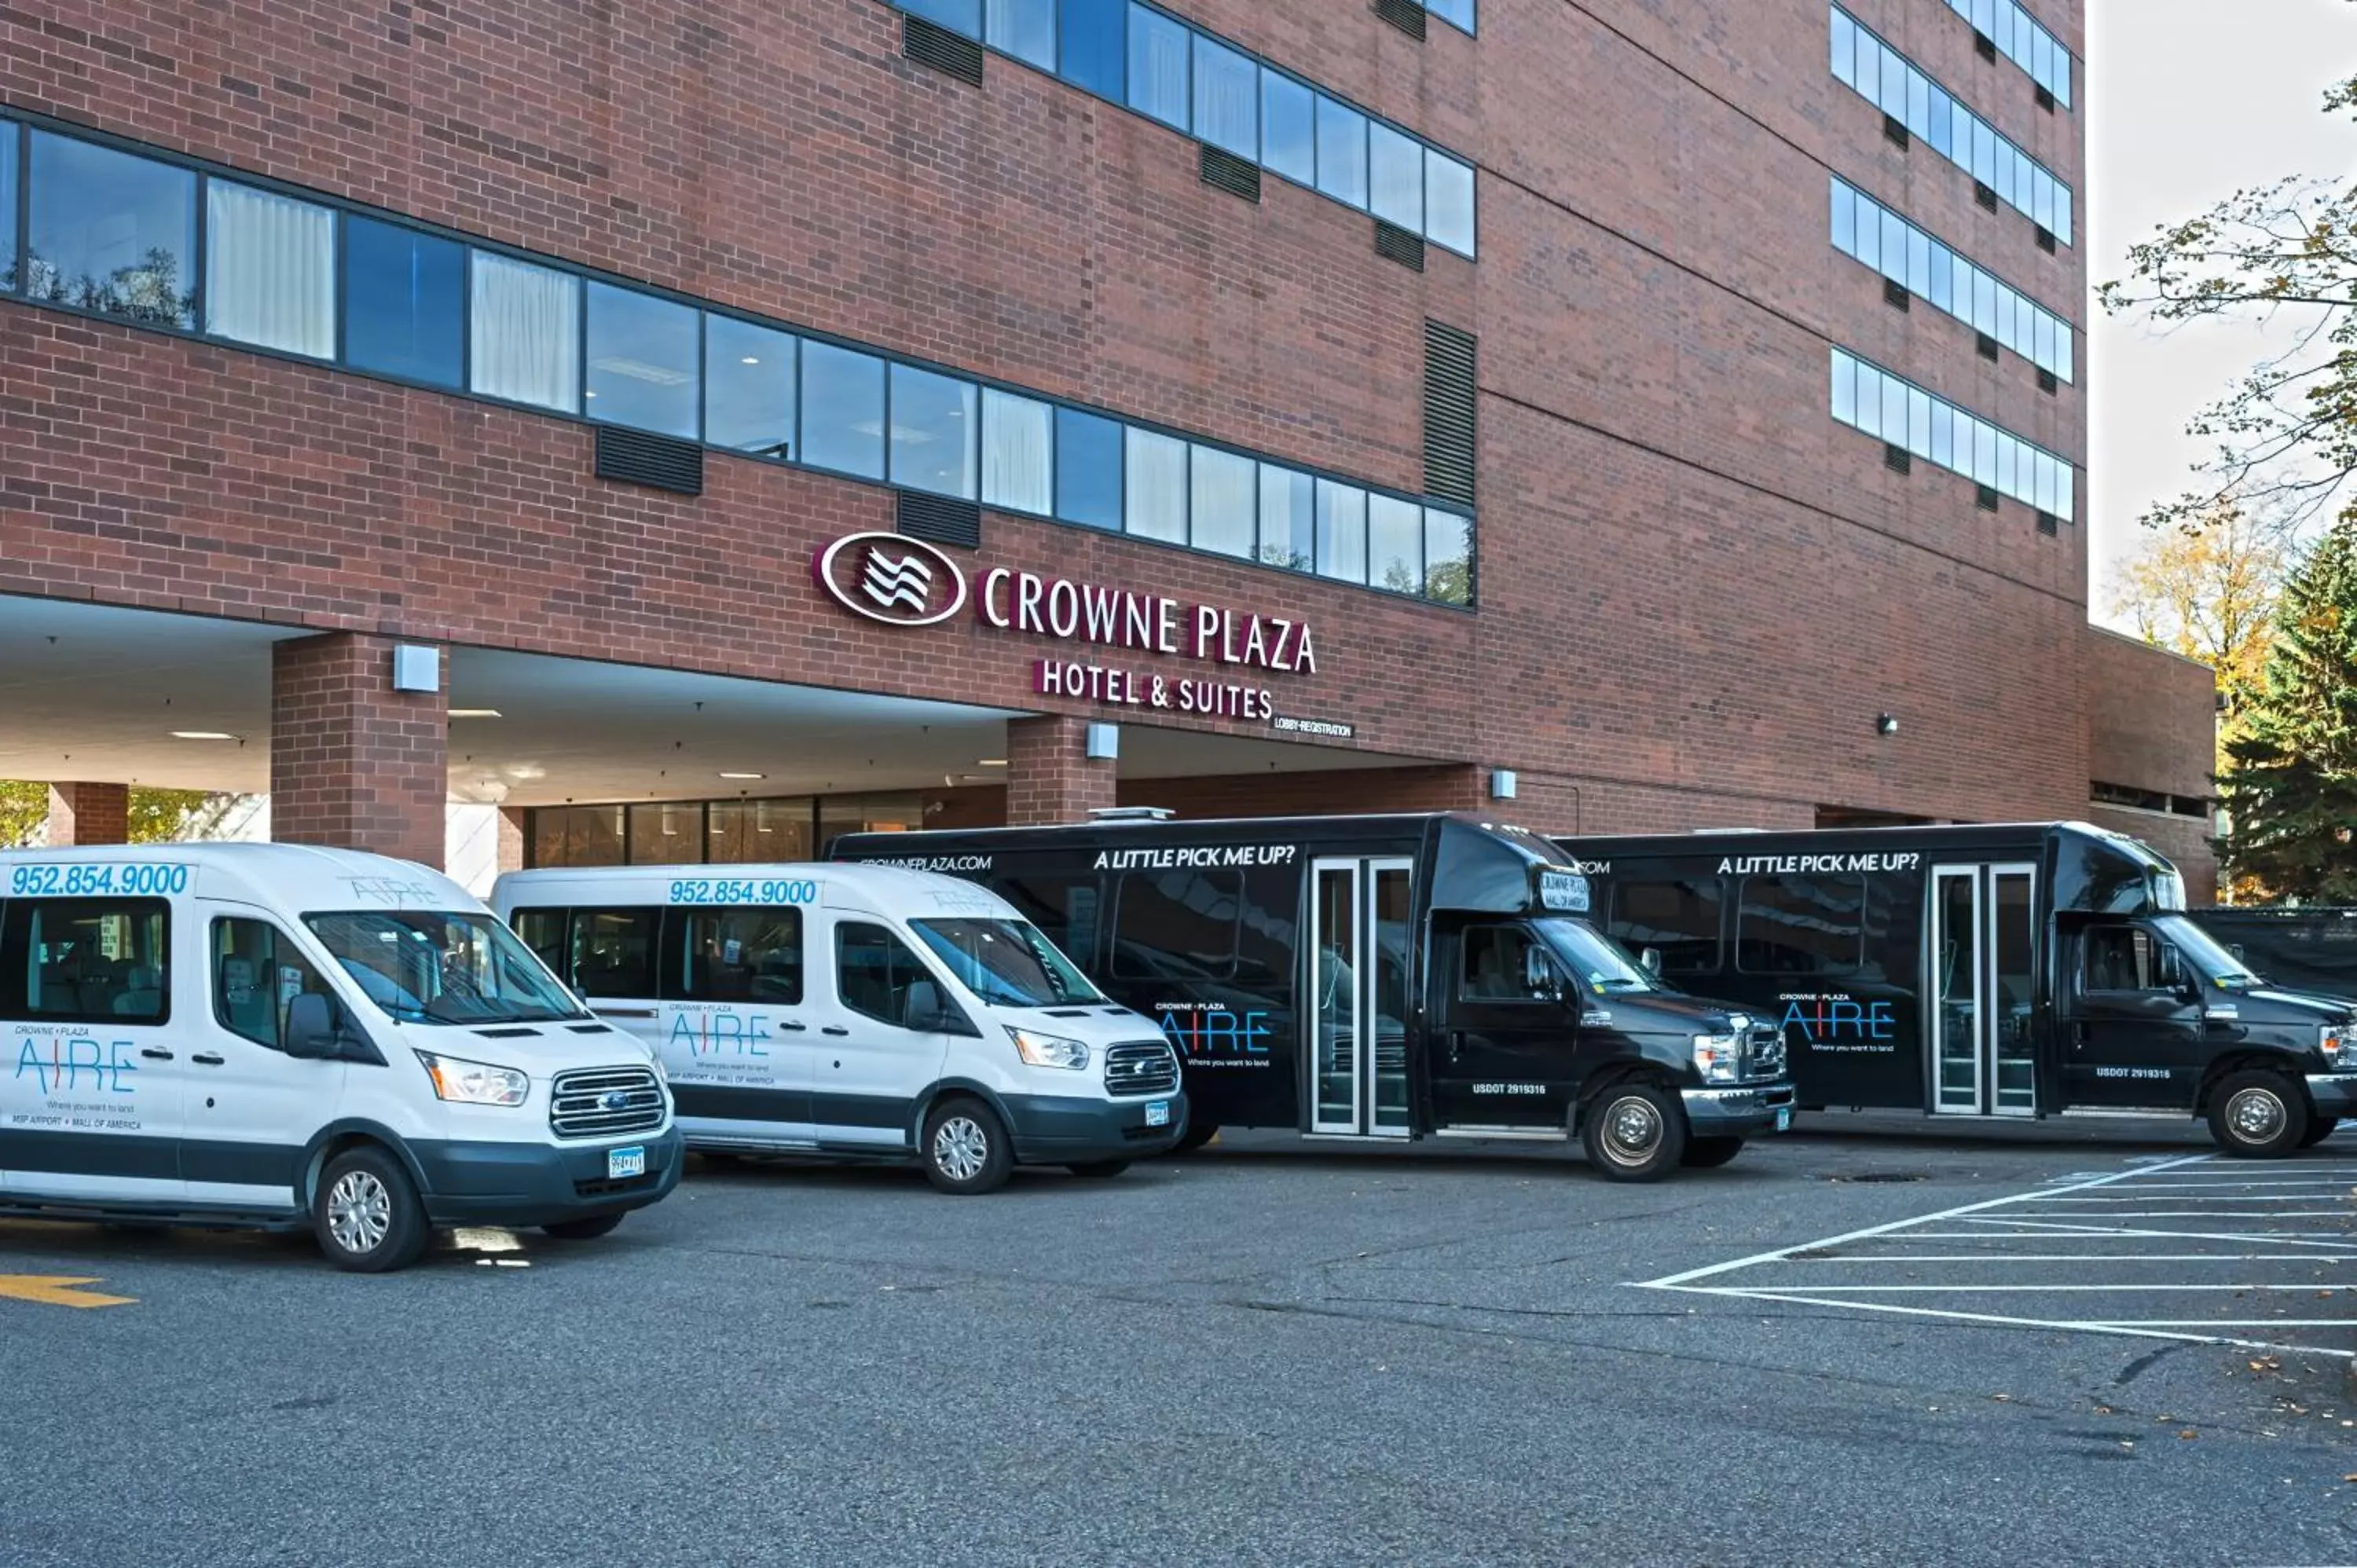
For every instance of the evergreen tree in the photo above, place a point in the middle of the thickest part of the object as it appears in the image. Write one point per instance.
(2290, 792)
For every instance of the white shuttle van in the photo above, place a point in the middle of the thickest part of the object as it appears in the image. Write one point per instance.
(861, 1011)
(276, 1036)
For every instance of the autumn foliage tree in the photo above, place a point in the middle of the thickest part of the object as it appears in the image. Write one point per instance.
(2206, 588)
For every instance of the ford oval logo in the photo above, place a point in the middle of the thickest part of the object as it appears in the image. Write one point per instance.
(892, 578)
(615, 1101)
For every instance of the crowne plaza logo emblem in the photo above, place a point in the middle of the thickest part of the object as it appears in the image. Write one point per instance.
(892, 578)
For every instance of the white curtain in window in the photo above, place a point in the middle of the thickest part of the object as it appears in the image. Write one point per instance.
(269, 270)
(1154, 485)
(525, 341)
(1227, 490)
(1017, 453)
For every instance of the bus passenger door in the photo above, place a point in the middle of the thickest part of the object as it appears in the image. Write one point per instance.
(1981, 1012)
(1502, 1048)
(1360, 945)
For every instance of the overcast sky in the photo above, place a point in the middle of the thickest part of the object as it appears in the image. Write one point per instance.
(2188, 101)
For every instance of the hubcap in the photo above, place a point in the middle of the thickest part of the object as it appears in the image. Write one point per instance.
(961, 1148)
(1632, 1130)
(2257, 1115)
(359, 1212)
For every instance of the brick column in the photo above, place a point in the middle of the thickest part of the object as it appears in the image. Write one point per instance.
(353, 763)
(89, 813)
(1050, 778)
(512, 830)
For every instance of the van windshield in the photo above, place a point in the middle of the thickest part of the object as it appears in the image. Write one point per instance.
(2200, 950)
(1007, 963)
(1598, 964)
(443, 968)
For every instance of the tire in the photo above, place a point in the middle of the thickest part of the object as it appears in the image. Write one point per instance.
(584, 1229)
(1099, 1170)
(2259, 1115)
(2318, 1129)
(965, 1148)
(1703, 1153)
(366, 1213)
(1197, 1134)
(1634, 1131)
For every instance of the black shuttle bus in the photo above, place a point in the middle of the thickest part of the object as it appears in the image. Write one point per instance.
(1982, 971)
(1457, 950)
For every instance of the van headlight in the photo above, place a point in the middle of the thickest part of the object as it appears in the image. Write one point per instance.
(1718, 1058)
(474, 1083)
(2338, 1044)
(1048, 1050)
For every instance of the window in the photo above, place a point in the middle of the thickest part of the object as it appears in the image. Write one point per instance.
(1448, 202)
(1093, 42)
(8, 139)
(957, 15)
(1018, 448)
(1155, 485)
(842, 410)
(1395, 177)
(1225, 489)
(1024, 29)
(269, 270)
(111, 232)
(1341, 152)
(744, 955)
(1448, 557)
(1804, 925)
(2127, 958)
(1496, 965)
(1289, 127)
(1227, 98)
(1087, 470)
(1909, 418)
(1157, 66)
(1342, 532)
(1396, 544)
(643, 362)
(668, 833)
(525, 338)
(874, 973)
(1005, 962)
(1176, 924)
(743, 833)
(544, 932)
(422, 967)
(578, 835)
(1457, 12)
(1288, 519)
(86, 960)
(404, 302)
(1065, 908)
(257, 971)
(614, 952)
(934, 433)
(748, 387)
(1677, 919)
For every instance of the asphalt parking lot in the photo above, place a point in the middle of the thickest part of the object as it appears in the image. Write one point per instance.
(1855, 1346)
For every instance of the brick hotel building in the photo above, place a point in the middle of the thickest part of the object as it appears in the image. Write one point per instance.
(694, 429)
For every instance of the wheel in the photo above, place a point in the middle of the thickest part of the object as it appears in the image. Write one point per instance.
(1197, 1134)
(1097, 1170)
(2257, 1114)
(1634, 1131)
(965, 1148)
(2318, 1129)
(1702, 1153)
(584, 1229)
(366, 1213)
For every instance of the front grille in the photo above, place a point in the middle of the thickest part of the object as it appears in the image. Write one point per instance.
(605, 1101)
(1143, 1069)
(1764, 1052)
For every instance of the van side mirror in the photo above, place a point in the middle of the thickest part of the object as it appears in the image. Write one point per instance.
(924, 1013)
(1649, 960)
(1539, 976)
(314, 1032)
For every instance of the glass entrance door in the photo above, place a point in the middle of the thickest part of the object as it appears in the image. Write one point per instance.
(1984, 961)
(1361, 923)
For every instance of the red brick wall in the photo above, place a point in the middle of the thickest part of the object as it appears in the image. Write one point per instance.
(89, 813)
(353, 763)
(1049, 776)
(2151, 717)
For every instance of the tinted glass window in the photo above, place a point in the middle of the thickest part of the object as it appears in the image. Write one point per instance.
(1448, 202)
(744, 955)
(1269, 917)
(1341, 152)
(934, 425)
(1154, 486)
(1176, 924)
(875, 972)
(742, 831)
(544, 931)
(1093, 42)
(1396, 544)
(1288, 518)
(405, 302)
(842, 410)
(667, 833)
(958, 16)
(1227, 99)
(614, 952)
(1289, 127)
(1158, 67)
(1801, 924)
(1024, 29)
(1087, 470)
(1342, 532)
(257, 971)
(643, 362)
(1225, 488)
(524, 333)
(1496, 965)
(1395, 177)
(749, 388)
(8, 140)
(88, 960)
(111, 232)
(1448, 557)
(1680, 919)
(269, 270)
(1457, 11)
(1064, 907)
(577, 835)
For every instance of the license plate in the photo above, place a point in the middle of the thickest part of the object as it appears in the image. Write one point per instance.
(1158, 1113)
(1784, 1118)
(624, 1162)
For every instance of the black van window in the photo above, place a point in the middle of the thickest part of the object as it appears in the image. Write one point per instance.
(1496, 965)
(1801, 924)
(751, 954)
(873, 972)
(87, 961)
(1680, 919)
(1176, 924)
(614, 952)
(2127, 958)
(542, 932)
(257, 970)
(1064, 907)
(1272, 917)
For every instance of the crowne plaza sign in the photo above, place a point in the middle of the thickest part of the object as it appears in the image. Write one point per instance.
(899, 581)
